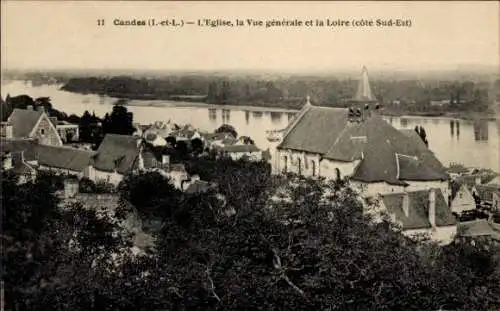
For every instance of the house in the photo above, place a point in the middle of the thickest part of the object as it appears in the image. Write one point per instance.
(60, 159)
(162, 129)
(421, 212)
(462, 198)
(155, 139)
(240, 151)
(14, 162)
(34, 124)
(218, 139)
(489, 196)
(119, 155)
(68, 132)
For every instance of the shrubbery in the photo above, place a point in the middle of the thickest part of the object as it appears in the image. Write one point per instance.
(310, 248)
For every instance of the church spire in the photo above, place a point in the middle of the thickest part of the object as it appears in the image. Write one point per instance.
(364, 91)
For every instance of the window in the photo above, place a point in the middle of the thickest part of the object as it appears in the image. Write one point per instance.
(300, 166)
(285, 159)
(42, 131)
(313, 166)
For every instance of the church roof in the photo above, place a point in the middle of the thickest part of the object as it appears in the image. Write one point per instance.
(315, 129)
(385, 153)
(364, 91)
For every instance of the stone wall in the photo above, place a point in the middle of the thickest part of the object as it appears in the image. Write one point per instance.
(46, 133)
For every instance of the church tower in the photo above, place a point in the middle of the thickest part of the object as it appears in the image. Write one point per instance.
(364, 102)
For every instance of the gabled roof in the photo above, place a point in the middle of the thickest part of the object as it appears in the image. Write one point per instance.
(117, 152)
(418, 212)
(23, 121)
(50, 156)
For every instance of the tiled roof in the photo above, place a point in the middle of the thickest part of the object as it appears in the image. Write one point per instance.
(418, 209)
(316, 131)
(479, 227)
(23, 121)
(117, 152)
(50, 156)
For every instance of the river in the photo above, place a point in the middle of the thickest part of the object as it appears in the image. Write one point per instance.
(473, 143)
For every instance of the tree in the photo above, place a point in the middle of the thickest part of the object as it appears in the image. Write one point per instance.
(54, 258)
(85, 127)
(120, 121)
(152, 194)
(197, 145)
(226, 128)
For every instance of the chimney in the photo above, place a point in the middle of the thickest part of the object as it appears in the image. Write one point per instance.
(432, 207)
(406, 204)
(165, 159)
(7, 130)
(29, 107)
(40, 108)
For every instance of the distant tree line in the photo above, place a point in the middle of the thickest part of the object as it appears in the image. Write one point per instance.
(290, 92)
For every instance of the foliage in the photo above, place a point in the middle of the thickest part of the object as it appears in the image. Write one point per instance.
(423, 135)
(291, 243)
(152, 194)
(101, 186)
(226, 128)
(54, 258)
(120, 121)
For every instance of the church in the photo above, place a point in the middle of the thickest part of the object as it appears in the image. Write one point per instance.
(357, 144)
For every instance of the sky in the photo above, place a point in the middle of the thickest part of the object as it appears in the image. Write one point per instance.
(65, 35)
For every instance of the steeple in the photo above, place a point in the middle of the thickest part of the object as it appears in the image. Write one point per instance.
(364, 91)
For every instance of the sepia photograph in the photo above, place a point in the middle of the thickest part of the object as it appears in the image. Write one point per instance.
(253, 155)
